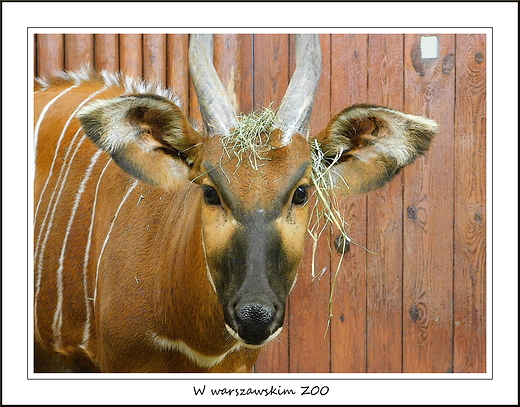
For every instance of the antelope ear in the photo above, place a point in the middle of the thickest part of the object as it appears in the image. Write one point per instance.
(370, 144)
(147, 135)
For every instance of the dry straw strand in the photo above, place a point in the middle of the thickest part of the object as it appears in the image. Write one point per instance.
(251, 137)
(325, 212)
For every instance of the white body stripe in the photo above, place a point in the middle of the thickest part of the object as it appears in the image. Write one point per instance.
(51, 209)
(56, 326)
(86, 331)
(208, 271)
(62, 135)
(42, 115)
(46, 222)
(112, 223)
(59, 277)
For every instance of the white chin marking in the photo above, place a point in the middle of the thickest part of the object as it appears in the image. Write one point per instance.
(235, 335)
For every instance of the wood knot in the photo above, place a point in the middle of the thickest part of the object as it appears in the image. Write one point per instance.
(448, 63)
(418, 313)
(479, 57)
(412, 212)
(415, 314)
(342, 244)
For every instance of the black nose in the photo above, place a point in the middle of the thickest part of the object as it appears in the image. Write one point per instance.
(254, 322)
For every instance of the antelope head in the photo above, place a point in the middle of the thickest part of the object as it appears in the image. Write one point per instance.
(255, 173)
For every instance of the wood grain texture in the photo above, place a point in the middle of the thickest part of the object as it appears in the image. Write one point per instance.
(193, 106)
(245, 74)
(154, 57)
(50, 53)
(131, 54)
(349, 86)
(470, 205)
(177, 73)
(419, 305)
(428, 226)
(384, 221)
(271, 69)
(79, 51)
(106, 52)
(227, 63)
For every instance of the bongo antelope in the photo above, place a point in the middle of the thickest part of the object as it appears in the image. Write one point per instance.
(162, 248)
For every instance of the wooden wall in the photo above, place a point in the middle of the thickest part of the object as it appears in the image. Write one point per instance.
(419, 304)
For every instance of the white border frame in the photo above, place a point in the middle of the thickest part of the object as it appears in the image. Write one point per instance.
(362, 389)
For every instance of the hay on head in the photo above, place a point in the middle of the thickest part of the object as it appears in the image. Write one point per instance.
(251, 137)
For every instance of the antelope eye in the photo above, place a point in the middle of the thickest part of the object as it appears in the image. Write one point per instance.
(300, 195)
(211, 195)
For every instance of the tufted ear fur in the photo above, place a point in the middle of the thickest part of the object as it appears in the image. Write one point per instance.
(147, 135)
(372, 143)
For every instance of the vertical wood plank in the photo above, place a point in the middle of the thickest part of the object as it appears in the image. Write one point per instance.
(309, 300)
(428, 225)
(227, 62)
(177, 71)
(234, 63)
(348, 324)
(106, 52)
(384, 224)
(245, 74)
(271, 69)
(79, 51)
(131, 54)
(193, 107)
(154, 57)
(271, 77)
(470, 206)
(50, 56)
